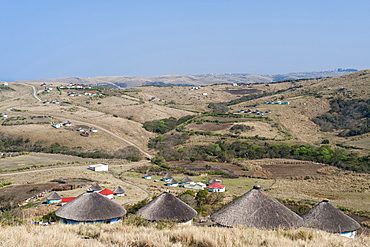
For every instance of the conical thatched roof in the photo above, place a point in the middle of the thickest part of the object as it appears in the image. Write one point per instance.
(167, 207)
(95, 186)
(54, 196)
(119, 190)
(167, 176)
(257, 209)
(90, 206)
(172, 181)
(147, 174)
(213, 180)
(186, 180)
(329, 218)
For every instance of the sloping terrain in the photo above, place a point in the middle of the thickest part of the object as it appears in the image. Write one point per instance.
(208, 79)
(123, 112)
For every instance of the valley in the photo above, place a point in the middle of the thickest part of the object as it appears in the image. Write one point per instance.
(243, 134)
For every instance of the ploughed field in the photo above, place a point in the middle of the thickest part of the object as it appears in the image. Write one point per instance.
(262, 129)
(243, 91)
(264, 168)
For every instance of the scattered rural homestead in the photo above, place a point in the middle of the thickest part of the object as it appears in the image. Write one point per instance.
(216, 187)
(53, 198)
(166, 177)
(210, 145)
(172, 182)
(90, 207)
(98, 167)
(106, 192)
(147, 175)
(119, 191)
(95, 187)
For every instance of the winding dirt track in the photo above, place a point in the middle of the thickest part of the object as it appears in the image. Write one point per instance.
(86, 123)
(97, 127)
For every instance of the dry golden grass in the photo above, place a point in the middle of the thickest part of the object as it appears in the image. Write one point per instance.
(41, 159)
(295, 118)
(121, 234)
(262, 129)
(134, 190)
(21, 95)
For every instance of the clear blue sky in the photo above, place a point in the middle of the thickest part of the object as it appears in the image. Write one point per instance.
(51, 39)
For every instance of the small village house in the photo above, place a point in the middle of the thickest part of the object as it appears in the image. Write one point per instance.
(166, 177)
(57, 125)
(53, 198)
(326, 217)
(67, 123)
(172, 182)
(216, 187)
(90, 207)
(214, 180)
(98, 167)
(257, 209)
(186, 179)
(168, 207)
(95, 187)
(147, 175)
(66, 200)
(195, 186)
(106, 192)
(119, 191)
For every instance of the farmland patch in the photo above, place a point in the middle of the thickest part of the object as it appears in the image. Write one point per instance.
(243, 91)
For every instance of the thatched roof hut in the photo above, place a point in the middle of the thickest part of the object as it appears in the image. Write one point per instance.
(257, 209)
(119, 190)
(329, 218)
(54, 196)
(186, 180)
(90, 207)
(147, 175)
(95, 187)
(167, 177)
(213, 180)
(167, 207)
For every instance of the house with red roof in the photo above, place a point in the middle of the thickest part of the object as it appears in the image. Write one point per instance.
(108, 193)
(66, 199)
(216, 187)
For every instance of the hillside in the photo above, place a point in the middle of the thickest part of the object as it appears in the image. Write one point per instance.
(203, 132)
(195, 80)
(123, 112)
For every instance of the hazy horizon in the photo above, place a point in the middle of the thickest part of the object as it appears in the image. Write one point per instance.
(44, 40)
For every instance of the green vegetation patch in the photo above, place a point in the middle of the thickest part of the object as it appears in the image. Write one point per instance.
(165, 125)
(351, 116)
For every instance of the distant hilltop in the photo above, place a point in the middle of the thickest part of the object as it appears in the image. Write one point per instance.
(191, 80)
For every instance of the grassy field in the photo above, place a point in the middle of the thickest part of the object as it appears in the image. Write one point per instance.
(37, 159)
(128, 234)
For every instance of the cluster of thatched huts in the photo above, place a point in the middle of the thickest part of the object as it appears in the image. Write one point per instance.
(254, 209)
(54, 197)
(214, 185)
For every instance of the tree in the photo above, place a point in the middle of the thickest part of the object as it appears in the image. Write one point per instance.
(201, 197)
